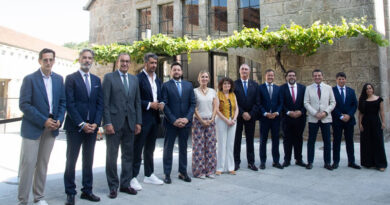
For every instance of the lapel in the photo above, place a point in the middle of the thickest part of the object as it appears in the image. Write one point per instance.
(174, 87)
(158, 84)
(148, 86)
(288, 93)
(118, 80)
(299, 92)
(93, 83)
(241, 87)
(81, 82)
(266, 91)
(274, 93)
(54, 88)
(41, 85)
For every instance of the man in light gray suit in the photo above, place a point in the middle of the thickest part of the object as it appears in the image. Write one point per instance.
(122, 119)
(319, 102)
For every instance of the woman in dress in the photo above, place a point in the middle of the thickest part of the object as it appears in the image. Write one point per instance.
(226, 126)
(204, 141)
(371, 125)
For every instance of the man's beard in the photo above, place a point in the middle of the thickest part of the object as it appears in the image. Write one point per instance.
(85, 67)
(176, 78)
(291, 82)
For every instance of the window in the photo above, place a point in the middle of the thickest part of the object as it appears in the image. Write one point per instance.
(255, 68)
(191, 18)
(166, 19)
(220, 67)
(248, 14)
(144, 23)
(218, 17)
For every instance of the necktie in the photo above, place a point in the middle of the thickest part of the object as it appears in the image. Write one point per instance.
(87, 84)
(293, 94)
(178, 85)
(342, 95)
(319, 91)
(245, 88)
(125, 83)
(270, 90)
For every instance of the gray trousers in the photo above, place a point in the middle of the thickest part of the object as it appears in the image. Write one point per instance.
(35, 155)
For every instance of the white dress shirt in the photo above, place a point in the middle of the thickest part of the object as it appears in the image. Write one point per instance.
(153, 85)
(89, 77)
(49, 89)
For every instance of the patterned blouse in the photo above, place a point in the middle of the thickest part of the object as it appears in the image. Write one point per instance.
(227, 106)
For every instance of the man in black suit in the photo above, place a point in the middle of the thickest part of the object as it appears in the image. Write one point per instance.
(343, 119)
(247, 98)
(150, 89)
(293, 118)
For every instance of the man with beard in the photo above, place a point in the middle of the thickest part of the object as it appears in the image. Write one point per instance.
(179, 98)
(293, 118)
(84, 103)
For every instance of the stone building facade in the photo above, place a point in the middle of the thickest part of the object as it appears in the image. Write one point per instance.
(362, 61)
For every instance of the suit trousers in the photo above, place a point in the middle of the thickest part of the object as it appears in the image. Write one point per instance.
(265, 126)
(225, 145)
(293, 138)
(35, 155)
(325, 131)
(125, 138)
(170, 136)
(74, 142)
(249, 135)
(337, 135)
(145, 141)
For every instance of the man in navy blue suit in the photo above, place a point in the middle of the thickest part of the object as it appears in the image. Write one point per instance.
(42, 101)
(248, 99)
(179, 98)
(150, 90)
(270, 108)
(84, 104)
(343, 120)
(293, 118)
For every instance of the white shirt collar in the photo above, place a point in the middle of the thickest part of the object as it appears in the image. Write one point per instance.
(83, 73)
(147, 74)
(338, 87)
(120, 73)
(289, 85)
(43, 75)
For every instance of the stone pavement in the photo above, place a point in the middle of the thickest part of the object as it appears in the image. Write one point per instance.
(292, 185)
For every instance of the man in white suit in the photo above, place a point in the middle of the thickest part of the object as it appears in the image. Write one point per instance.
(319, 102)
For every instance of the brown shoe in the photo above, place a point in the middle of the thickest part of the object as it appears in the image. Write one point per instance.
(232, 172)
(218, 173)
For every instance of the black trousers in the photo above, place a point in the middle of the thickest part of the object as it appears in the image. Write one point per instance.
(145, 141)
(293, 138)
(265, 126)
(249, 134)
(125, 138)
(74, 142)
(337, 136)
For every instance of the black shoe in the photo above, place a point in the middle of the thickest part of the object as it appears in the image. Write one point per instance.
(353, 165)
(236, 167)
(286, 164)
(184, 177)
(113, 194)
(328, 167)
(335, 166)
(128, 190)
(300, 163)
(309, 166)
(277, 165)
(69, 199)
(89, 197)
(262, 166)
(167, 179)
(252, 167)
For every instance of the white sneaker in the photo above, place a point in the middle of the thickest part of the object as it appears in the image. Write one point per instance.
(153, 180)
(135, 184)
(41, 202)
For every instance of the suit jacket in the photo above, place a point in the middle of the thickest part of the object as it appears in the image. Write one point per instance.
(314, 105)
(177, 106)
(268, 105)
(349, 107)
(288, 104)
(118, 105)
(250, 102)
(34, 104)
(147, 97)
(78, 104)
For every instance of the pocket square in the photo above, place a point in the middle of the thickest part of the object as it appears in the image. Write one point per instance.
(96, 86)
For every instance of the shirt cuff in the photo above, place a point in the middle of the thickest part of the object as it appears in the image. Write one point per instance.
(342, 117)
(288, 112)
(265, 114)
(147, 108)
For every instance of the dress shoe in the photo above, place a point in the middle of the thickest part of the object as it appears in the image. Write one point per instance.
(89, 197)
(335, 166)
(309, 166)
(236, 167)
(69, 199)
(262, 166)
(128, 190)
(381, 169)
(286, 164)
(277, 165)
(167, 179)
(252, 167)
(328, 167)
(113, 194)
(300, 163)
(184, 177)
(353, 165)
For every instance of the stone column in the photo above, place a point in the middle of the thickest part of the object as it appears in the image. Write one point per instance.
(177, 18)
(203, 13)
(232, 16)
(154, 17)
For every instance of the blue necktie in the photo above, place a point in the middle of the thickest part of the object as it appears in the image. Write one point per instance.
(87, 84)
(178, 85)
(245, 88)
(342, 95)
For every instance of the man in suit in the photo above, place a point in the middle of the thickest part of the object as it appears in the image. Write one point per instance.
(270, 108)
(42, 101)
(150, 89)
(319, 102)
(293, 118)
(84, 103)
(179, 98)
(343, 117)
(247, 98)
(122, 119)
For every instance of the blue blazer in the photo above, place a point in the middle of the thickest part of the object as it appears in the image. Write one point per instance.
(287, 101)
(34, 104)
(249, 103)
(147, 97)
(349, 107)
(78, 104)
(177, 106)
(268, 105)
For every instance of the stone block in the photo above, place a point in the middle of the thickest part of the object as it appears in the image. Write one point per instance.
(358, 74)
(274, 9)
(364, 58)
(313, 5)
(317, 59)
(293, 7)
(335, 4)
(352, 44)
(294, 60)
(339, 57)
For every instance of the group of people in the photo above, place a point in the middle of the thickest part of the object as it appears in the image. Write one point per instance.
(130, 108)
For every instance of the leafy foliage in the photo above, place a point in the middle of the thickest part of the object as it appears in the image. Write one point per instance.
(77, 46)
